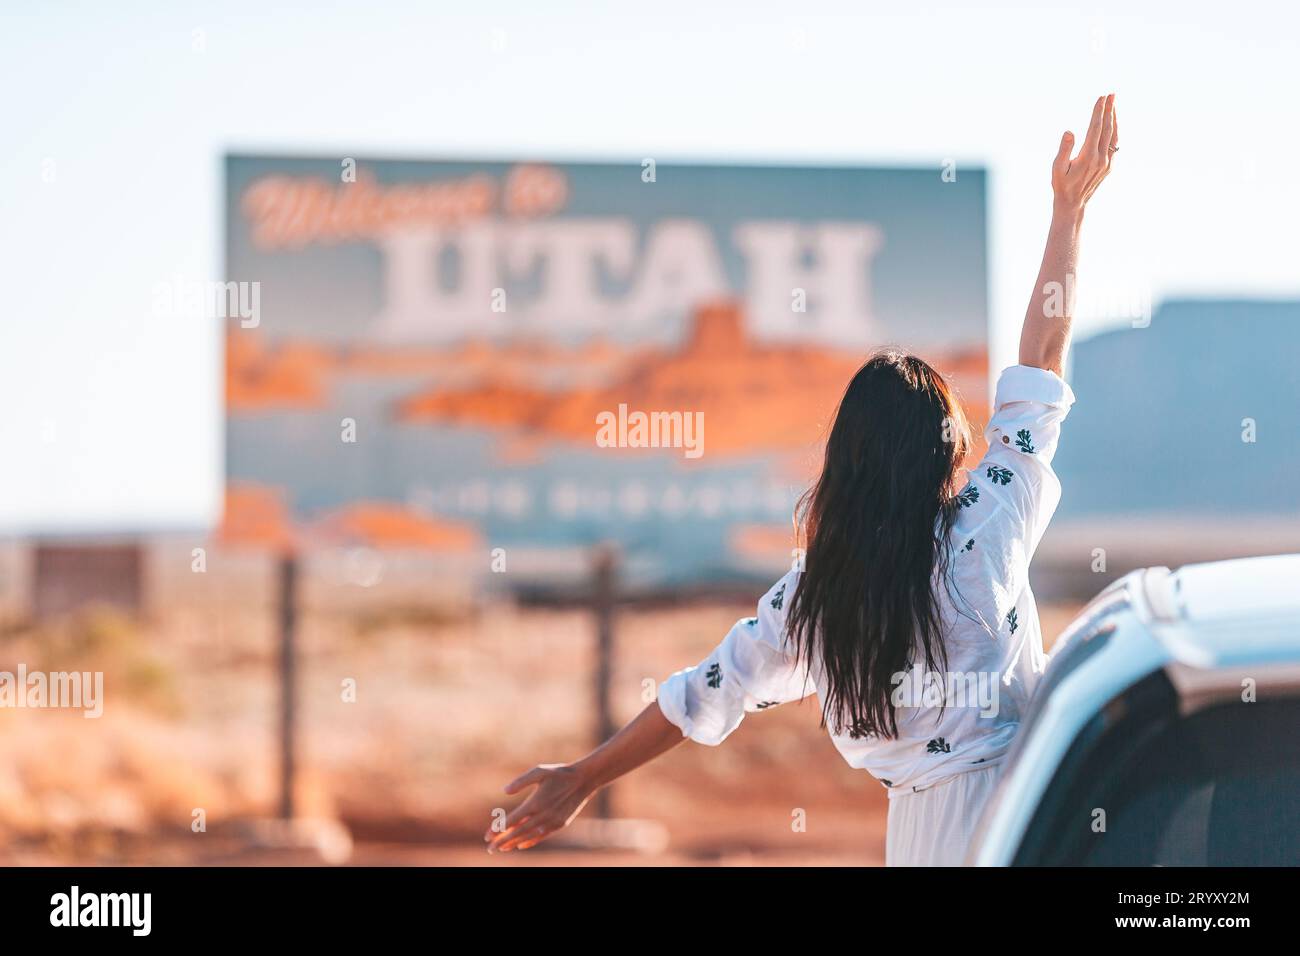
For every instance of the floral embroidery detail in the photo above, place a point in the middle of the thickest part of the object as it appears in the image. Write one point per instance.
(969, 545)
(938, 746)
(887, 783)
(778, 599)
(765, 704)
(1024, 441)
(999, 475)
(1013, 620)
(970, 494)
(751, 621)
(714, 676)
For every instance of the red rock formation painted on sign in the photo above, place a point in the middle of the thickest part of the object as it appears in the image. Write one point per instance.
(287, 375)
(756, 397)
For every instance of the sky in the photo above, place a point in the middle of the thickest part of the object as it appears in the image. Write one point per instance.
(116, 117)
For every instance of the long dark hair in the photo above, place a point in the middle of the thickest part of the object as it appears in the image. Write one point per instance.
(875, 529)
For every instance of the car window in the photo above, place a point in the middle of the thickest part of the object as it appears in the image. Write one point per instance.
(1146, 786)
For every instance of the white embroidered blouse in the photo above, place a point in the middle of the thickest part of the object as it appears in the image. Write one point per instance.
(990, 622)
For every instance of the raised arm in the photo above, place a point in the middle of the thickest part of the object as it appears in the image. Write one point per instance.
(1046, 333)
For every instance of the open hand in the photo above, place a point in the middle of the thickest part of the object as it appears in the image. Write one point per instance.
(562, 791)
(1075, 180)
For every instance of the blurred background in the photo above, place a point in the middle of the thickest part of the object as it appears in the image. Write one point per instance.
(313, 316)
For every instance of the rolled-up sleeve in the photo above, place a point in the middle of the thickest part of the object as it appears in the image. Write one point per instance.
(1023, 434)
(752, 669)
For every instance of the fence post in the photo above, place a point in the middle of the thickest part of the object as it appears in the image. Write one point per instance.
(604, 599)
(288, 624)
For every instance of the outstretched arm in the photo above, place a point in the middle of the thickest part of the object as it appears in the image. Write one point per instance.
(564, 789)
(1046, 333)
(749, 671)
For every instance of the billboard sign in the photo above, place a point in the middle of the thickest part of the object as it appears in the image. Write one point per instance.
(529, 358)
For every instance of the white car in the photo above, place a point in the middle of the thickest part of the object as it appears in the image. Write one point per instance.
(1166, 731)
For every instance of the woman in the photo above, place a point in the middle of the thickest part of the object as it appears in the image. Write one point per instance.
(912, 618)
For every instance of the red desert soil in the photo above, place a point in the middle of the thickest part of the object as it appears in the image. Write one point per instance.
(447, 710)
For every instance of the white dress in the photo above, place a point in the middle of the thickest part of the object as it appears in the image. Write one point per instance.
(943, 765)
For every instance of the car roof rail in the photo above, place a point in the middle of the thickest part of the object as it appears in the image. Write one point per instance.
(1160, 594)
